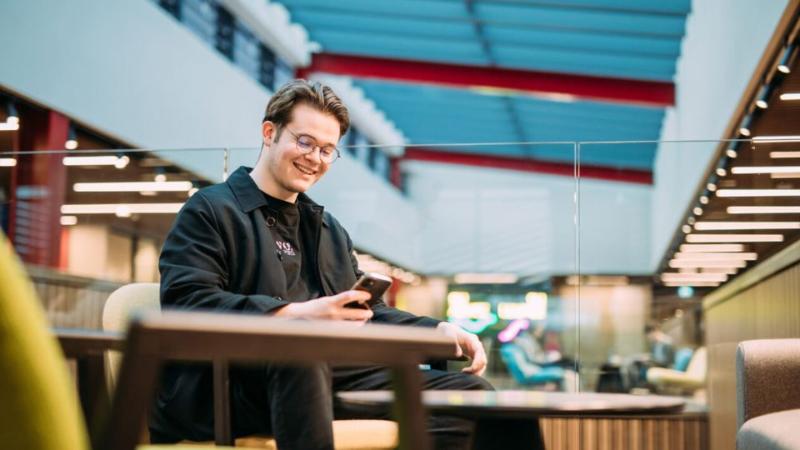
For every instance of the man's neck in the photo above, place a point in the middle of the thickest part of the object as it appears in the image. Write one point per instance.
(267, 185)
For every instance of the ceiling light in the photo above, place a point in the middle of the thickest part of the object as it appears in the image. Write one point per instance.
(783, 176)
(690, 220)
(744, 131)
(12, 117)
(69, 220)
(731, 153)
(700, 238)
(765, 169)
(779, 155)
(8, 162)
(134, 186)
(725, 270)
(691, 283)
(160, 178)
(686, 229)
(758, 193)
(486, 278)
(787, 60)
(116, 208)
(719, 225)
(789, 96)
(703, 248)
(732, 256)
(721, 172)
(763, 210)
(698, 211)
(678, 263)
(777, 138)
(72, 139)
(117, 161)
(5, 126)
(676, 276)
(704, 199)
(711, 187)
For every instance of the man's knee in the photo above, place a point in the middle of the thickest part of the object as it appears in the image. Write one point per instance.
(476, 383)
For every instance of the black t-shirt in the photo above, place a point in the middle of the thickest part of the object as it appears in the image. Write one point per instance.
(283, 221)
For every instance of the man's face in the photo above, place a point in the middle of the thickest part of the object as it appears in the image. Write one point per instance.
(292, 171)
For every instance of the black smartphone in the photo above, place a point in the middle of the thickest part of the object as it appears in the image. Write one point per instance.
(374, 283)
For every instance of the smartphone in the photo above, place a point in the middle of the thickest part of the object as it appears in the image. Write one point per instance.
(374, 283)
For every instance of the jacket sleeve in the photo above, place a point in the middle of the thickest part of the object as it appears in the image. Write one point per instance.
(382, 313)
(194, 268)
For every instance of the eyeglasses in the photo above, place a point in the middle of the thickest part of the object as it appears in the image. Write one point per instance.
(307, 144)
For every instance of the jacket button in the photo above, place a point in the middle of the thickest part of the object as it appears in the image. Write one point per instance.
(270, 221)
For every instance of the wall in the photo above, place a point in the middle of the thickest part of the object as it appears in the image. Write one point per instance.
(724, 41)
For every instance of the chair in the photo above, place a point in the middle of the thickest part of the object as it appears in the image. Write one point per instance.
(692, 379)
(768, 394)
(347, 434)
(526, 372)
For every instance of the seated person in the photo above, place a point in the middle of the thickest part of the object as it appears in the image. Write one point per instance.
(257, 244)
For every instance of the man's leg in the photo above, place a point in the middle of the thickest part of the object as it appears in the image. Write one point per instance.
(447, 432)
(294, 404)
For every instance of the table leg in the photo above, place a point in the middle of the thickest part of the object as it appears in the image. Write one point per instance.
(92, 388)
(508, 434)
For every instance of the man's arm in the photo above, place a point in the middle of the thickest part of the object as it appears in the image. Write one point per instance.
(194, 268)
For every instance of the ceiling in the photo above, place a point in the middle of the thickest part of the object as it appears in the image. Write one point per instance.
(607, 40)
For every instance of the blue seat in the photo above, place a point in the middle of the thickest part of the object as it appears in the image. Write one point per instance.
(526, 372)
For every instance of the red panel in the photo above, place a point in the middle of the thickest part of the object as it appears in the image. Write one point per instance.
(616, 90)
(529, 165)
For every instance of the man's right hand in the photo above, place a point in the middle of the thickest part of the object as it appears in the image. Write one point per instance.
(329, 308)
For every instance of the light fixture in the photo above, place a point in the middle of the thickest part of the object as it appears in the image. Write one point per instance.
(704, 199)
(787, 60)
(686, 229)
(72, 139)
(69, 220)
(709, 238)
(8, 162)
(134, 186)
(12, 117)
(777, 138)
(711, 187)
(685, 292)
(720, 225)
(783, 155)
(699, 276)
(744, 131)
(5, 126)
(698, 211)
(690, 221)
(722, 256)
(764, 169)
(703, 248)
(116, 208)
(486, 278)
(679, 263)
(160, 178)
(758, 193)
(790, 96)
(120, 162)
(763, 209)
(762, 97)
(691, 283)
(731, 153)
(783, 176)
(721, 172)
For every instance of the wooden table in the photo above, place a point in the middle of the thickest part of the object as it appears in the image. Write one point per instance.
(518, 411)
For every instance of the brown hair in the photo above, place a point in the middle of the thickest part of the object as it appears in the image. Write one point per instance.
(311, 93)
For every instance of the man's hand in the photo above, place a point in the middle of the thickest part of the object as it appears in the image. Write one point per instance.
(329, 308)
(466, 344)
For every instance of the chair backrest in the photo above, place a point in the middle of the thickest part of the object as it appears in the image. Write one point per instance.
(682, 359)
(117, 311)
(39, 407)
(698, 366)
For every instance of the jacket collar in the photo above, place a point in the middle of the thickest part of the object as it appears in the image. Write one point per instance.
(250, 196)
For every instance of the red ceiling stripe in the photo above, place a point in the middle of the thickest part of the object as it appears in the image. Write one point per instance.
(528, 165)
(615, 90)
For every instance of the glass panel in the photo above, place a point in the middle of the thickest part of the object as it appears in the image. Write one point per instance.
(87, 222)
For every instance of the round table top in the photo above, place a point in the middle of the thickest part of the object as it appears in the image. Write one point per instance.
(525, 403)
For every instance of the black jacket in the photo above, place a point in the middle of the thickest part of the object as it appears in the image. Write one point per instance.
(220, 256)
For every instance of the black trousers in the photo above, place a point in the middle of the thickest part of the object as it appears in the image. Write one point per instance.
(297, 405)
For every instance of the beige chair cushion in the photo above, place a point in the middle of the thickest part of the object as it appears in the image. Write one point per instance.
(775, 431)
(347, 435)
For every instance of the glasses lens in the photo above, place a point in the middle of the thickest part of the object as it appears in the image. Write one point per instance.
(305, 143)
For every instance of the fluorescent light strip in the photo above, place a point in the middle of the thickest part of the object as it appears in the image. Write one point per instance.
(691, 283)
(785, 138)
(486, 278)
(705, 248)
(788, 96)
(677, 276)
(684, 263)
(8, 162)
(784, 155)
(118, 161)
(69, 220)
(758, 193)
(122, 208)
(134, 186)
(699, 238)
(749, 256)
(763, 209)
(6, 126)
(764, 169)
(775, 176)
(716, 226)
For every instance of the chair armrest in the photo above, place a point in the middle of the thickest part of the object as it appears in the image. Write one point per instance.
(76, 343)
(767, 377)
(156, 337)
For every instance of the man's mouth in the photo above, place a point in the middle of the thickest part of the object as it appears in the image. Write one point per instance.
(305, 170)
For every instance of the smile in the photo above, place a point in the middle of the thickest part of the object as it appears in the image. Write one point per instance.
(305, 170)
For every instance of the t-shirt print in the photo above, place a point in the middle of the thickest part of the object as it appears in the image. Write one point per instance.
(285, 248)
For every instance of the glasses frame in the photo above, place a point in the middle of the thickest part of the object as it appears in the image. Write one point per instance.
(336, 153)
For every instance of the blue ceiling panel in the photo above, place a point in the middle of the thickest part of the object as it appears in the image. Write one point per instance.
(441, 9)
(322, 20)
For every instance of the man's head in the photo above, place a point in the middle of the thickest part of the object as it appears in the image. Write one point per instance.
(302, 125)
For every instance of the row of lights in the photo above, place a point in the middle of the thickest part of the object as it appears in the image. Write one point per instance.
(709, 259)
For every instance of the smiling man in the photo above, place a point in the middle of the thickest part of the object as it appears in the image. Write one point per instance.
(257, 244)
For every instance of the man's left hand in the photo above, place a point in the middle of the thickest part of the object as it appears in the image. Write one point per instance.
(466, 344)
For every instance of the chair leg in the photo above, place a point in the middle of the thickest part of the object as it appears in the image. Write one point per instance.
(222, 404)
(408, 409)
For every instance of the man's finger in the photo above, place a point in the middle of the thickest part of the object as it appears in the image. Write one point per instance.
(350, 296)
(356, 314)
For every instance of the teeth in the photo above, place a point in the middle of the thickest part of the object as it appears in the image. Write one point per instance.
(304, 170)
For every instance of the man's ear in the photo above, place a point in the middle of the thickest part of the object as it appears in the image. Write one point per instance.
(268, 130)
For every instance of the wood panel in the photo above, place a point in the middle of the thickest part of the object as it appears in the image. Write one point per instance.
(768, 309)
(673, 432)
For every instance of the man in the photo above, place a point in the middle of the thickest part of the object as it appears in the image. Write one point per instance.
(258, 244)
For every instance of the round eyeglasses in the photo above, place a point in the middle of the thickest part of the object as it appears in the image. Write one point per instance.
(307, 144)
